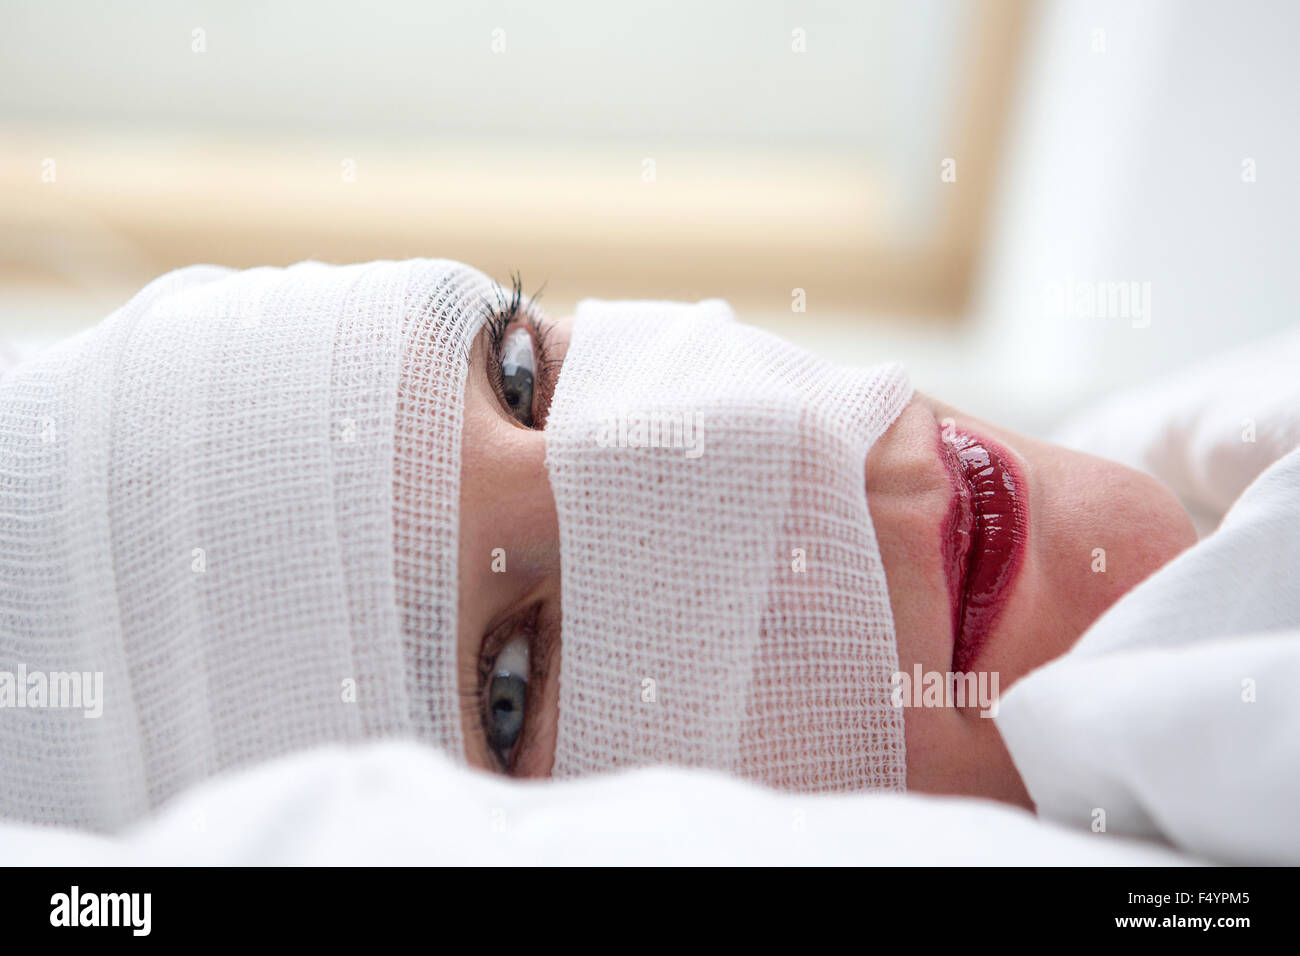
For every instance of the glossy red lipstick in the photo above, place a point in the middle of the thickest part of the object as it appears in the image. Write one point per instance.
(983, 537)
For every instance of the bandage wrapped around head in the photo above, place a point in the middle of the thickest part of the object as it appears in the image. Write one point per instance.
(230, 531)
(724, 602)
(233, 505)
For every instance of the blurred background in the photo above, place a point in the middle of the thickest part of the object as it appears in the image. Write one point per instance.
(1032, 204)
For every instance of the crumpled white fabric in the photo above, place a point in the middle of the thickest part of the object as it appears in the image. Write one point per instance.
(236, 499)
(396, 803)
(1208, 431)
(1176, 714)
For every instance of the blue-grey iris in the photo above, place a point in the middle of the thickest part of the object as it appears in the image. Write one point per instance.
(519, 374)
(506, 698)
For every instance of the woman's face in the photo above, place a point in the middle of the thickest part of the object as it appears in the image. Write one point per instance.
(1089, 529)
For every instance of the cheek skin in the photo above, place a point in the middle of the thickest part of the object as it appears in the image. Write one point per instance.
(1078, 503)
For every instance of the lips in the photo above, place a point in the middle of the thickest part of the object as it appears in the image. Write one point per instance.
(983, 537)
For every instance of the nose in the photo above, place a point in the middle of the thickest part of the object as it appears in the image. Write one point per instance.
(903, 466)
(909, 492)
(509, 545)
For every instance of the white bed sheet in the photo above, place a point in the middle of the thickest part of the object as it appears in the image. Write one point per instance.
(401, 803)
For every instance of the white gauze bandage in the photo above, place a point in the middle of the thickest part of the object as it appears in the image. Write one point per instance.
(230, 517)
(724, 602)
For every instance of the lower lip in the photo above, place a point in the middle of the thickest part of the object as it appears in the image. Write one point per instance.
(983, 538)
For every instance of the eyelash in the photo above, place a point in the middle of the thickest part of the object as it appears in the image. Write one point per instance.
(502, 315)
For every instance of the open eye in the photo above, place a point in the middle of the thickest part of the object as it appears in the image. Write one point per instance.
(519, 374)
(506, 698)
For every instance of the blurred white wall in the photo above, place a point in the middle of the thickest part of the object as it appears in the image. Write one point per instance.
(1126, 164)
(1124, 161)
(736, 148)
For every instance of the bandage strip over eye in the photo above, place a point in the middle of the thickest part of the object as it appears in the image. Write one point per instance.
(724, 603)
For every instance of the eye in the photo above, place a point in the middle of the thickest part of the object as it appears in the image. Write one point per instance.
(519, 374)
(506, 698)
(522, 372)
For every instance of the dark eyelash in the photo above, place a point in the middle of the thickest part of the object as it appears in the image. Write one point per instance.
(503, 311)
(508, 309)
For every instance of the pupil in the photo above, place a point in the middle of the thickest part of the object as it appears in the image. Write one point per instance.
(506, 704)
(518, 388)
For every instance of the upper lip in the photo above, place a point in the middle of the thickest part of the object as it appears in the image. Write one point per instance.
(958, 533)
(983, 537)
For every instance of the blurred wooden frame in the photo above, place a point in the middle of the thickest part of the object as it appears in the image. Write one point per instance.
(750, 229)
(941, 281)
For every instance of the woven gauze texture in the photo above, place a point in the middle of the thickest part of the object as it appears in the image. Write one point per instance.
(724, 603)
(236, 500)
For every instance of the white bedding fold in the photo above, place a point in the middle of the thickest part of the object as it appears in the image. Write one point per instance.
(403, 804)
(1176, 715)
